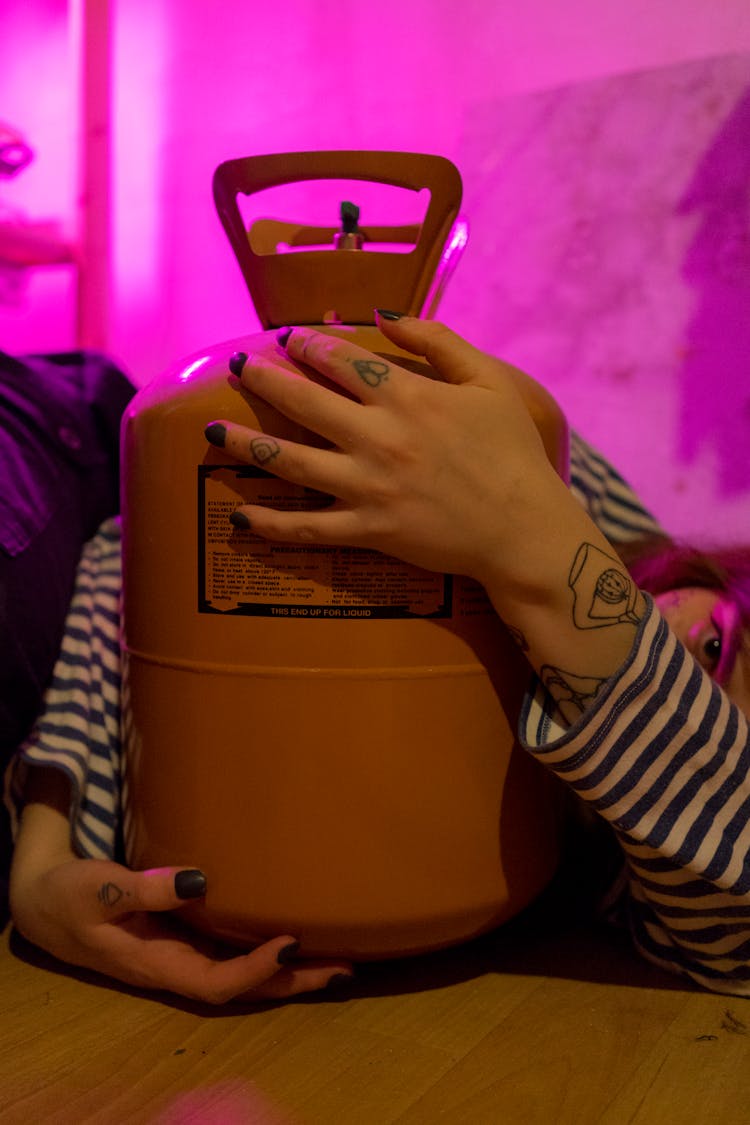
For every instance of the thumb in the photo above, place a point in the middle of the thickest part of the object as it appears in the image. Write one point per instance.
(160, 888)
(458, 361)
(454, 359)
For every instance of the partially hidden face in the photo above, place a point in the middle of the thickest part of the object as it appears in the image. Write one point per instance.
(708, 624)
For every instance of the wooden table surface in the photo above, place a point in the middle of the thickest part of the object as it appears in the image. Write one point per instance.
(552, 1019)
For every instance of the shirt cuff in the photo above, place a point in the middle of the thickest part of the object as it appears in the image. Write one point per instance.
(545, 736)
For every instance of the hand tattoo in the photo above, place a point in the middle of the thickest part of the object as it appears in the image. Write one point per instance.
(109, 894)
(371, 371)
(264, 449)
(603, 594)
(572, 694)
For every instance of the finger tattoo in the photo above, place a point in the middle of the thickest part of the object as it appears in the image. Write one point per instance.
(109, 894)
(264, 449)
(371, 371)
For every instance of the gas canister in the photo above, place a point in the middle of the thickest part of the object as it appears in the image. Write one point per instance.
(328, 733)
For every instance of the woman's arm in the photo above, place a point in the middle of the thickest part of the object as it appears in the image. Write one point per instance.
(662, 755)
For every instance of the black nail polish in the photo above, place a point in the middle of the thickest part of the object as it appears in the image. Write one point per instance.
(282, 336)
(288, 953)
(239, 520)
(237, 362)
(388, 314)
(216, 433)
(190, 884)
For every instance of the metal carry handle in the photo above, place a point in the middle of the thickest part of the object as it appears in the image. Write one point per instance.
(310, 286)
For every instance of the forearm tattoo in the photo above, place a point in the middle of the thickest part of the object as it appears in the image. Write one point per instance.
(603, 593)
(371, 371)
(264, 449)
(572, 694)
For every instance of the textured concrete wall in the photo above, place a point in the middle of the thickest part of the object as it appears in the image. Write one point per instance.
(610, 256)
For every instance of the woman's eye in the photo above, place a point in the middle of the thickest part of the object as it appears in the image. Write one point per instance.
(714, 641)
(706, 646)
(711, 652)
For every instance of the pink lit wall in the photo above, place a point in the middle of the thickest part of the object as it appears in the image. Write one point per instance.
(197, 83)
(611, 257)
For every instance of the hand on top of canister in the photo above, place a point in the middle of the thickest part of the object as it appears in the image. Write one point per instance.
(420, 468)
(448, 473)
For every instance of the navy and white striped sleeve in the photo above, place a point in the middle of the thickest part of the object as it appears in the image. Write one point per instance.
(606, 496)
(662, 754)
(78, 731)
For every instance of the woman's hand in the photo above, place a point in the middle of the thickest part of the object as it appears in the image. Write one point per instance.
(439, 473)
(99, 915)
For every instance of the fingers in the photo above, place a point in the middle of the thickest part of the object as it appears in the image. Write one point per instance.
(152, 953)
(336, 526)
(117, 890)
(308, 977)
(368, 376)
(294, 976)
(102, 916)
(454, 359)
(140, 948)
(324, 470)
(301, 399)
(268, 972)
(363, 374)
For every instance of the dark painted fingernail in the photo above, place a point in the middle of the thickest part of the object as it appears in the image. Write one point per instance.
(282, 336)
(190, 884)
(340, 980)
(237, 362)
(216, 433)
(388, 314)
(239, 520)
(288, 953)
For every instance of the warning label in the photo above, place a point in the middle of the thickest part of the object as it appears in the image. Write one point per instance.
(240, 573)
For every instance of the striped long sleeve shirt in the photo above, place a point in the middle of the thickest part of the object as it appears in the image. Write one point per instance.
(661, 754)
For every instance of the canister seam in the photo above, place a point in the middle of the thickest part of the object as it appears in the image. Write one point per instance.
(282, 671)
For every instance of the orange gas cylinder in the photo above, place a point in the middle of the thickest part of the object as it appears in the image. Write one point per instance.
(328, 733)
